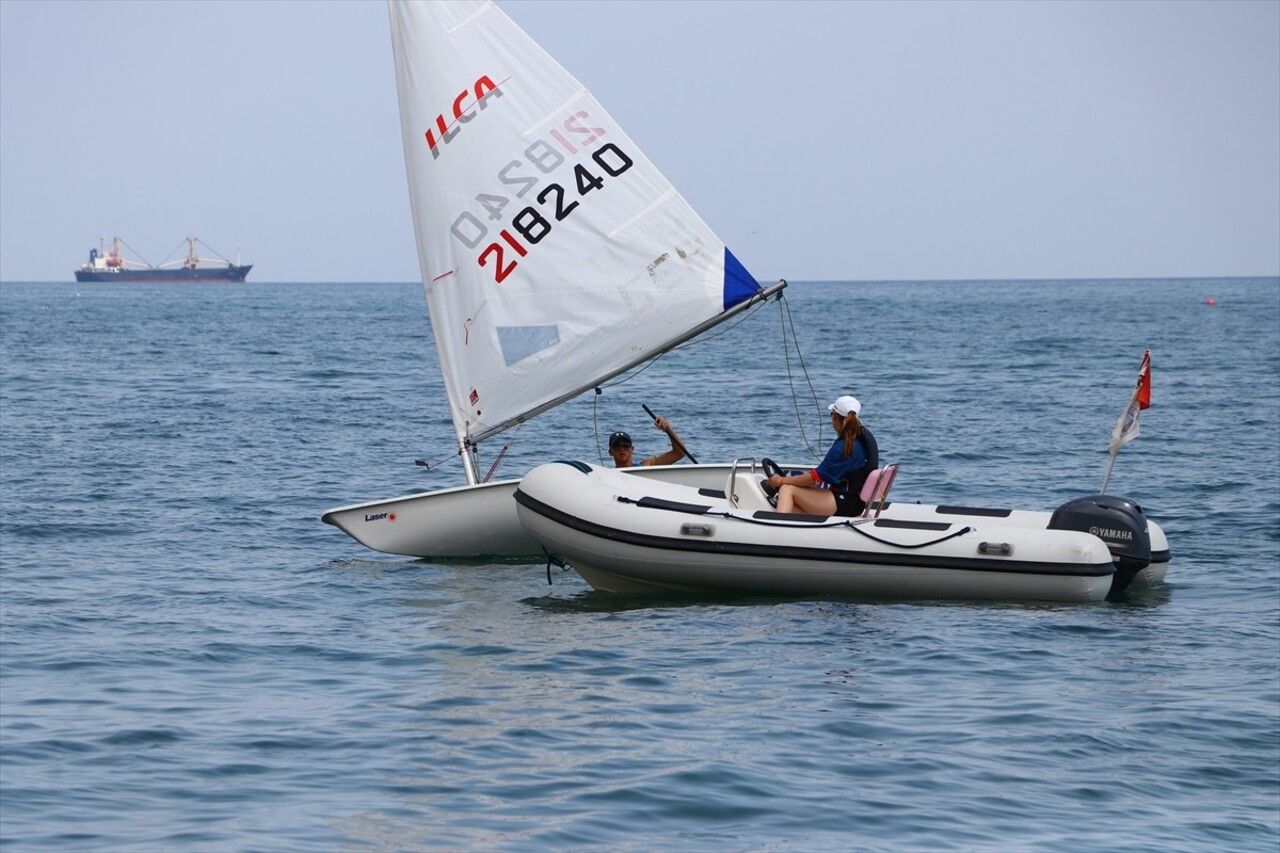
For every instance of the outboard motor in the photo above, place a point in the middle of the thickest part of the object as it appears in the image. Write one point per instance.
(1119, 522)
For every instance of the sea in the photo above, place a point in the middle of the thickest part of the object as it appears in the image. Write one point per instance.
(191, 661)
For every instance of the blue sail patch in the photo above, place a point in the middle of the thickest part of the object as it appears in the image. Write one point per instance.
(738, 283)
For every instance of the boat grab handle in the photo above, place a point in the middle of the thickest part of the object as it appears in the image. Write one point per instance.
(1003, 548)
(732, 491)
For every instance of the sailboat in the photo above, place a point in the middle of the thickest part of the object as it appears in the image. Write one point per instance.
(554, 256)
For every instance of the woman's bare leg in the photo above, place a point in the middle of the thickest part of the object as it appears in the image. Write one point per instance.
(802, 499)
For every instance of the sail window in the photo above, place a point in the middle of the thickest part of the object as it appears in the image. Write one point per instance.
(520, 342)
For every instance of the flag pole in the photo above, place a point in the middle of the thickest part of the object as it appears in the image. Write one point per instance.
(1115, 436)
(1107, 477)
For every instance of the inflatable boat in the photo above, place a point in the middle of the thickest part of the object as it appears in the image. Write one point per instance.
(625, 534)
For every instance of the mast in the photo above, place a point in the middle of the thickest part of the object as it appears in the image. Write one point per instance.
(470, 464)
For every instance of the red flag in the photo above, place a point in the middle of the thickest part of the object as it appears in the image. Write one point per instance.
(1143, 394)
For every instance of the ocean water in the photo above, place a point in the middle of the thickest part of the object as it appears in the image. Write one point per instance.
(190, 660)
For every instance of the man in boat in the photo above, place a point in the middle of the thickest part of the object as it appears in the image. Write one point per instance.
(622, 450)
(834, 487)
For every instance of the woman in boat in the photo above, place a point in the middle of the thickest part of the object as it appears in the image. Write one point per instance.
(833, 487)
(622, 451)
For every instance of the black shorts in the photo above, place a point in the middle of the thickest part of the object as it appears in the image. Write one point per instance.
(848, 504)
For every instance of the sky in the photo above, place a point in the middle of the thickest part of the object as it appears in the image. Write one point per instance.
(820, 140)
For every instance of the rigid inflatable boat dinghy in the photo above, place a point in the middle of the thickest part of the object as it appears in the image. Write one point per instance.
(624, 534)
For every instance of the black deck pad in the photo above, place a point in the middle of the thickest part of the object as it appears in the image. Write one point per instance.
(974, 510)
(766, 515)
(673, 506)
(903, 524)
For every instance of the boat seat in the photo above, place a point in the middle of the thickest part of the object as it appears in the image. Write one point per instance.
(876, 489)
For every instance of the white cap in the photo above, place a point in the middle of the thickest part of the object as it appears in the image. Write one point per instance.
(844, 405)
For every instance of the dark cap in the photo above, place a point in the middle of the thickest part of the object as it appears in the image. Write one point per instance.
(619, 439)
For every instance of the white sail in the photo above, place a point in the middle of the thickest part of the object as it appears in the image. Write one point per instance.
(553, 253)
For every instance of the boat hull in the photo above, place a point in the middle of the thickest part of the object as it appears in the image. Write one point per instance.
(481, 521)
(474, 521)
(629, 536)
(461, 522)
(644, 570)
(232, 273)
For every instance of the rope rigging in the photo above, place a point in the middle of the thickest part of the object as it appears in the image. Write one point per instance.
(788, 343)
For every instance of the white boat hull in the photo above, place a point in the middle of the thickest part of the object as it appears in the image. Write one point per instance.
(1033, 519)
(481, 521)
(474, 521)
(627, 536)
(465, 521)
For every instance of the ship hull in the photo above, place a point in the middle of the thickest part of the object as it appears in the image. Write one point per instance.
(228, 273)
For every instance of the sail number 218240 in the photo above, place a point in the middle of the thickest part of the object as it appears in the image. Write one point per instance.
(555, 202)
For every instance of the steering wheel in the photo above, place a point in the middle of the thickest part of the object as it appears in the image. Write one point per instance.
(770, 469)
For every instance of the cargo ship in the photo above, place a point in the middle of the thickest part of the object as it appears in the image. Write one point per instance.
(114, 266)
